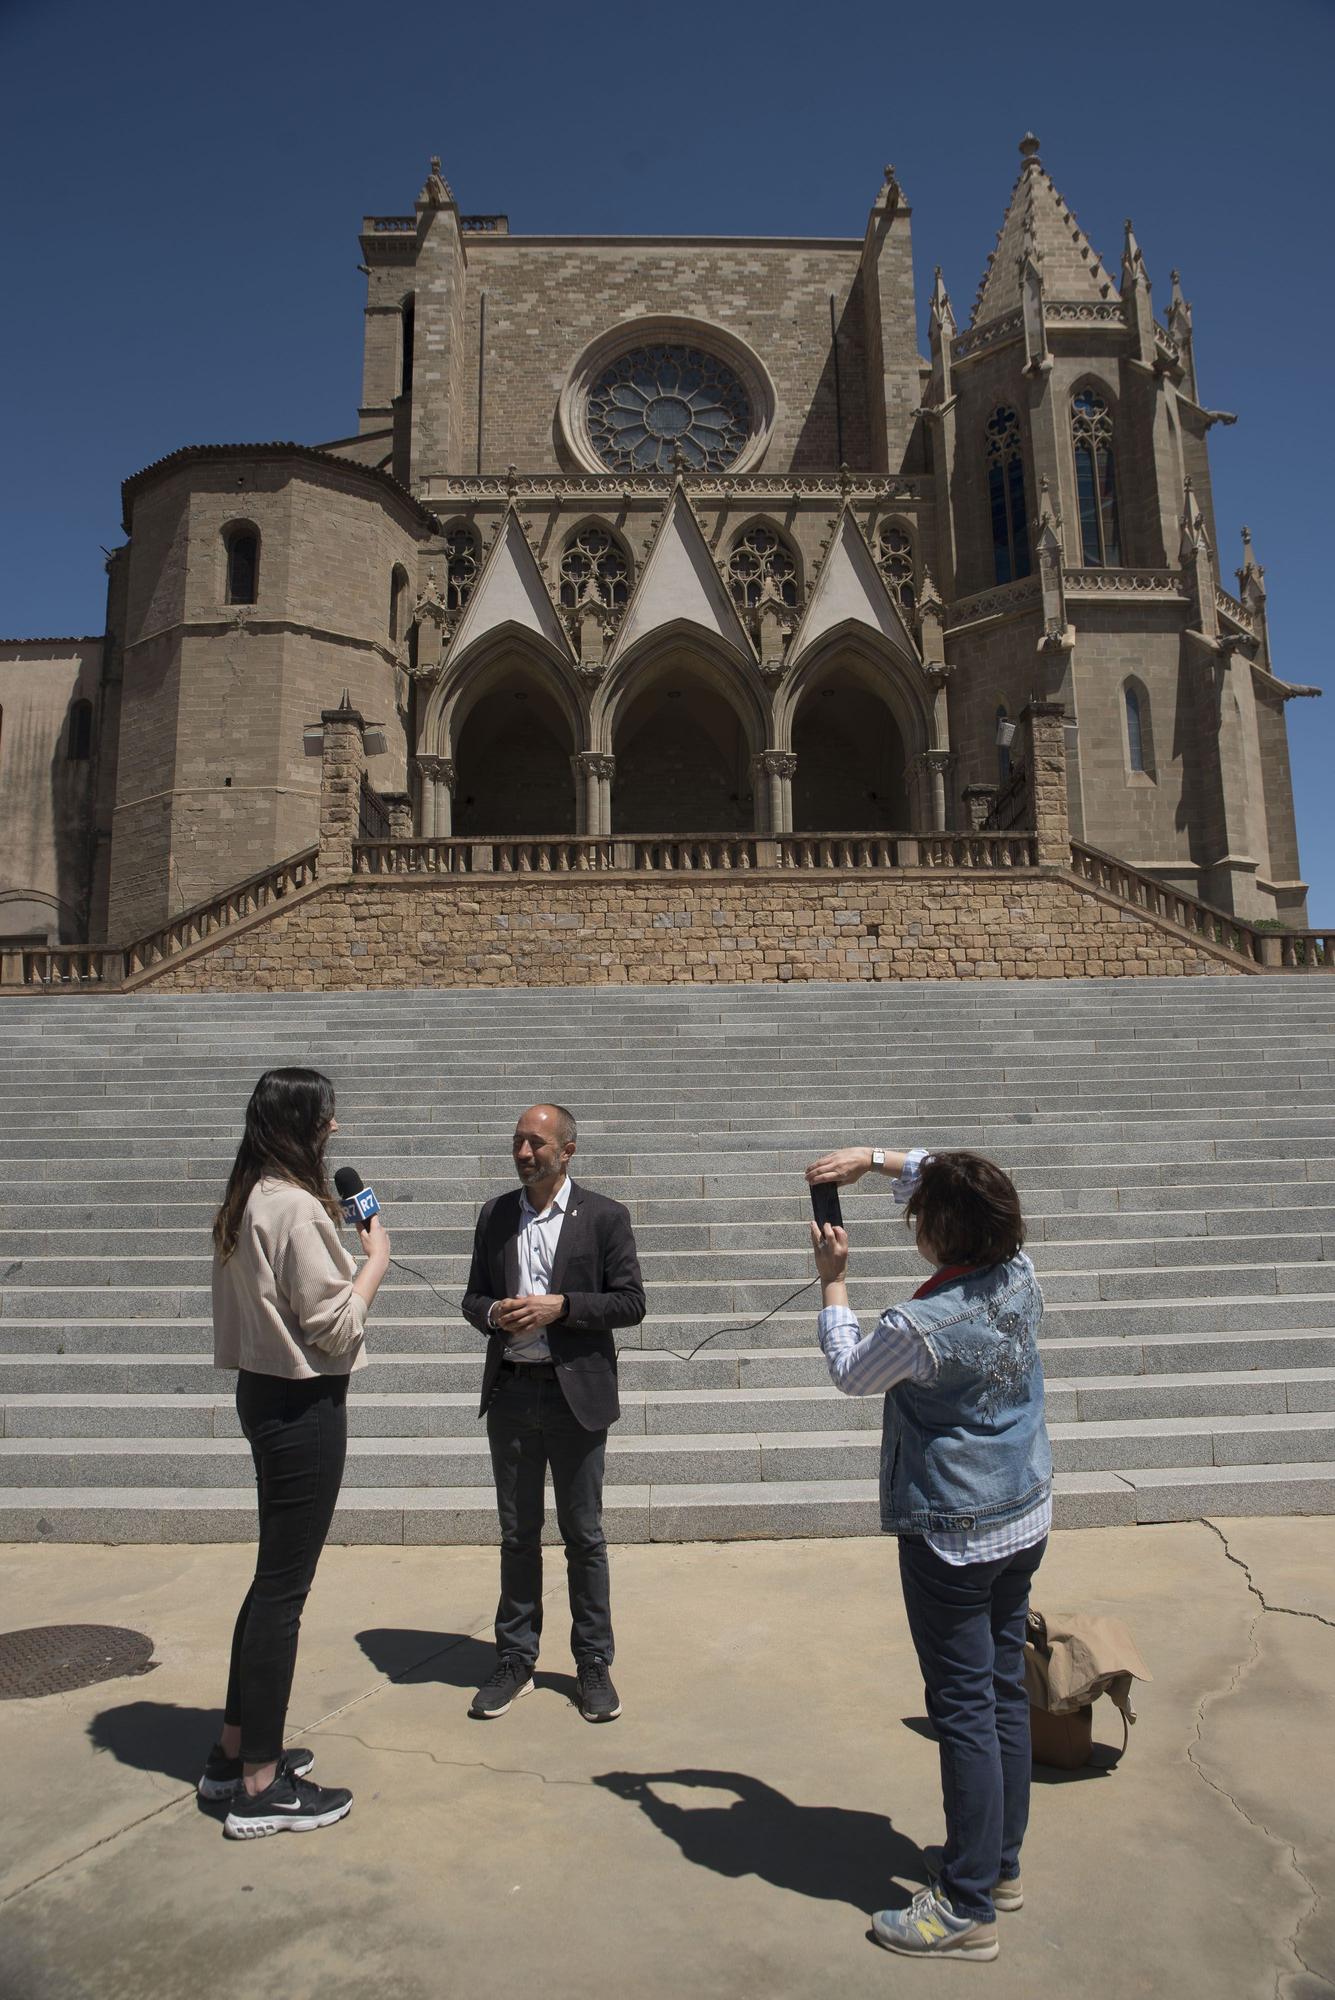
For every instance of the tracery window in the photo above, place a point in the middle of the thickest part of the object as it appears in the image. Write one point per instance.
(593, 556)
(655, 401)
(79, 742)
(894, 556)
(1005, 489)
(243, 565)
(759, 554)
(1095, 478)
(461, 566)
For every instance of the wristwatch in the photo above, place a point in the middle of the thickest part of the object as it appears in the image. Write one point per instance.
(878, 1157)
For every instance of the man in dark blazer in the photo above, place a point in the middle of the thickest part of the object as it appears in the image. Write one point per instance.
(554, 1274)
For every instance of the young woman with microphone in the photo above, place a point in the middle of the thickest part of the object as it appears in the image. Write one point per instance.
(289, 1313)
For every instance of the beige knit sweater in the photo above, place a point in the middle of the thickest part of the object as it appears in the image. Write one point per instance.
(283, 1302)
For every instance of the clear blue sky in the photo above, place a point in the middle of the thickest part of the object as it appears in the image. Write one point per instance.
(186, 186)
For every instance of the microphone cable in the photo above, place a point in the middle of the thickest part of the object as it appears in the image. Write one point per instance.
(717, 1334)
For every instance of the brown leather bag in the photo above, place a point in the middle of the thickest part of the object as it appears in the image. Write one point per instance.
(1069, 1661)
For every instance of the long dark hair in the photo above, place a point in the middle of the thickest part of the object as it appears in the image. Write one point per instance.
(287, 1126)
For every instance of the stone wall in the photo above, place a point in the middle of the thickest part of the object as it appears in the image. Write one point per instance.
(620, 930)
(47, 798)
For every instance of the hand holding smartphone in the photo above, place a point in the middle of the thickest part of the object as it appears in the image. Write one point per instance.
(825, 1204)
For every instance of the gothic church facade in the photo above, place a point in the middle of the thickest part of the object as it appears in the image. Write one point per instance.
(668, 535)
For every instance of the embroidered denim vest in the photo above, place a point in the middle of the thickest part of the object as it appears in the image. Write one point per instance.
(969, 1449)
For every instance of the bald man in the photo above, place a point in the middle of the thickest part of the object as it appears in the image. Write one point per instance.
(554, 1274)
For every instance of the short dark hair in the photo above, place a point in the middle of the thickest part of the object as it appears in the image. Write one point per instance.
(967, 1209)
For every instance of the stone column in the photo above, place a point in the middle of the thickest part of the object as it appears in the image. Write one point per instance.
(399, 806)
(438, 781)
(342, 769)
(978, 803)
(1044, 724)
(778, 768)
(938, 764)
(594, 771)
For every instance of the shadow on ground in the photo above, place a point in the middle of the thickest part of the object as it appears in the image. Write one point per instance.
(456, 1659)
(828, 1852)
(157, 1736)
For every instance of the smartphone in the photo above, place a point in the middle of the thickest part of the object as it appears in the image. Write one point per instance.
(825, 1203)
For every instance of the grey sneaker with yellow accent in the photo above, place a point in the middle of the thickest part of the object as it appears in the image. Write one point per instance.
(1007, 1890)
(929, 1928)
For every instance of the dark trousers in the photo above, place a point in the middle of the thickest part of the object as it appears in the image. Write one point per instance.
(967, 1626)
(530, 1426)
(298, 1436)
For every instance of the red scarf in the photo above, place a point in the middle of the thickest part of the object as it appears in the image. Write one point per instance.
(945, 1276)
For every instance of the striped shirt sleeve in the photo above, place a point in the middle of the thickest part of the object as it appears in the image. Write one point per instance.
(869, 1365)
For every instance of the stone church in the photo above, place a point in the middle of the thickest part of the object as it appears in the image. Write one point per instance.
(648, 536)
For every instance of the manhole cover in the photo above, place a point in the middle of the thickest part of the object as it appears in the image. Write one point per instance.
(54, 1659)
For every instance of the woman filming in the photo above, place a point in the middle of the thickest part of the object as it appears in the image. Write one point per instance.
(289, 1312)
(966, 1484)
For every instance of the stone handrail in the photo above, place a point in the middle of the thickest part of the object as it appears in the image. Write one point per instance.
(1233, 608)
(719, 853)
(243, 899)
(62, 967)
(1280, 950)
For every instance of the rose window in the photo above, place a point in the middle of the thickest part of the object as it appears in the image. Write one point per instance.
(654, 402)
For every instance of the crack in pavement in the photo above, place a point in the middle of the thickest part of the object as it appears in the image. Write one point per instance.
(1242, 1672)
(455, 1763)
(1282, 1610)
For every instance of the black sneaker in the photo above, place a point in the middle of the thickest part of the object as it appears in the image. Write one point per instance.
(288, 1805)
(222, 1775)
(513, 1676)
(598, 1699)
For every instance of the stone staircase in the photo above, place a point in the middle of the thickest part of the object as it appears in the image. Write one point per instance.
(1172, 1141)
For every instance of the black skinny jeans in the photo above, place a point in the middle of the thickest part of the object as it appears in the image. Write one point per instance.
(298, 1436)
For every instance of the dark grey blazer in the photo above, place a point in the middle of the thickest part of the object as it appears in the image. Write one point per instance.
(595, 1266)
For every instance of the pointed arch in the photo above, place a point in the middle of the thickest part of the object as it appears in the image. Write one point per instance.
(686, 648)
(874, 662)
(758, 550)
(510, 723)
(684, 728)
(477, 672)
(1008, 505)
(594, 554)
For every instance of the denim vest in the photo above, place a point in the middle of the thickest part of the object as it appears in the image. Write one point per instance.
(969, 1449)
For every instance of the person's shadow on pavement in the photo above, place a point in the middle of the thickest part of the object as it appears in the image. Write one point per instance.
(457, 1659)
(830, 1852)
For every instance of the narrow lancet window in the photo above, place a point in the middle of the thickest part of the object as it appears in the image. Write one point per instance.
(1005, 489)
(243, 566)
(79, 742)
(758, 557)
(1135, 733)
(1095, 479)
(461, 567)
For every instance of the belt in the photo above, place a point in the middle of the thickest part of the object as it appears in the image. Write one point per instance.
(530, 1368)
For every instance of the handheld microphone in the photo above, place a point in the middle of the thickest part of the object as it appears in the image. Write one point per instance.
(358, 1201)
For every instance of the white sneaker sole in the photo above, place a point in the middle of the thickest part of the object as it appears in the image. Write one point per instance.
(491, 1714)
(256, 1829)
(610, 1715)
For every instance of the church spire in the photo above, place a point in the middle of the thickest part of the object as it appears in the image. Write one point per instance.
(1179, 325)
(1039, 231)
(1136, 293)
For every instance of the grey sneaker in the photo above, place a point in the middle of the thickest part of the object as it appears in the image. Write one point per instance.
(512, 1677)
(929, 1928)
(1007, 1890)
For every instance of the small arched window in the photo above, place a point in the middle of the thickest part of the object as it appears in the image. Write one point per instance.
(243, 564)
(1005, 492)
(1139, 730)
(79, 739)
(1005, 731)
(1095, 479)
(761, 557)
(461, 566)
(894, 557)
(594, 561)
(398, 602)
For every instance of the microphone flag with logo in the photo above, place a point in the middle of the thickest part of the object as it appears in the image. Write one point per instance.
(357, 1200)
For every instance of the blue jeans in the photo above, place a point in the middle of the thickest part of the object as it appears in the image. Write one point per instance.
(530, 1426)
(967, 1626)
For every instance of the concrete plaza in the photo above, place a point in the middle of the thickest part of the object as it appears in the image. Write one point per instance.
(768, 1785)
